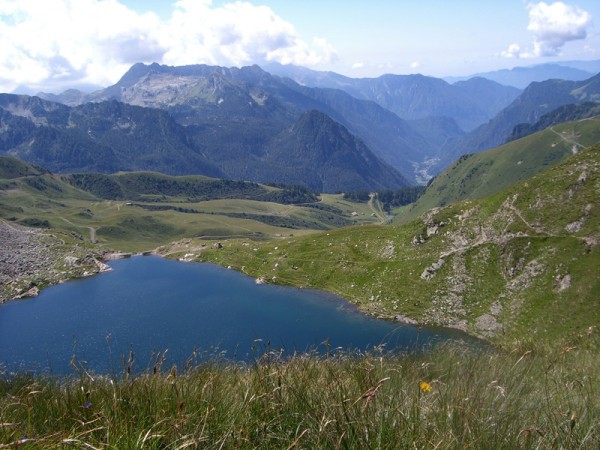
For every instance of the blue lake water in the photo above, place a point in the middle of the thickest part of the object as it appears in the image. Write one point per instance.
(151, 304)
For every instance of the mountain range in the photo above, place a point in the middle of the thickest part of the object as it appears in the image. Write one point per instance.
(111, 136)
(262, 104)
(412, 97)
(538, 99)
(442, 111)
(521, 77)
(320, 129)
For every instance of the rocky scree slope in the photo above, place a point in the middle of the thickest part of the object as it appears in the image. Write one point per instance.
(31, 259)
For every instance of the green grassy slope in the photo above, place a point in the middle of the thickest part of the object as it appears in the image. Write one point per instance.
(482, 174)
(469, 400)
(139, 211)
(523, 262)
(156, 186)
(13, 168)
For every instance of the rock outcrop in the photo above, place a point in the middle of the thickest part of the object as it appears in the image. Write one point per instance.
(32, 258)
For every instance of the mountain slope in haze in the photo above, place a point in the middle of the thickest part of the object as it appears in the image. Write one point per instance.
(414, 97)
(591, 66)
(521, 77)
(70, 97)
(111, 136)
(328, 157)
(438, 129)
(535, 101)
(481, 174)
(490, 96)
(238, 111)
(418, 96)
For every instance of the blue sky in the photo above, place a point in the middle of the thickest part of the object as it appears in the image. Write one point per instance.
(57, 44)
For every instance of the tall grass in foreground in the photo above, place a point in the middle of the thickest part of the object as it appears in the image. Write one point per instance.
(449, 398)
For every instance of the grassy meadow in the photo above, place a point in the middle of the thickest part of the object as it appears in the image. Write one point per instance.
(452, 398)
(143, 223)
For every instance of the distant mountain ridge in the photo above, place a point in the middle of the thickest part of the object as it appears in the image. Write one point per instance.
(237, 112)
(232, 116)
(535, 101)
(248, 106)
(111, 136)
(413, 97)
(521, 77)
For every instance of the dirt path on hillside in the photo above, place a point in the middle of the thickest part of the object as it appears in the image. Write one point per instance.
(92, 230)
(569, 138)
(377, 211)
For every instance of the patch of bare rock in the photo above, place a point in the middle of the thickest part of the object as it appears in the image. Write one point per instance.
(31, 259)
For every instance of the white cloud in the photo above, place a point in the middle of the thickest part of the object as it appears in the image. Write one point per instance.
(552, 26)
(358, 65)
(556, 24)
(513, 51)
(415, 64)
(56, 44)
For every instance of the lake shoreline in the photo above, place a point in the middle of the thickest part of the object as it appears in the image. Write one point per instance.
(63, 262)
(32, 259)
(188, 251)
(154, 304)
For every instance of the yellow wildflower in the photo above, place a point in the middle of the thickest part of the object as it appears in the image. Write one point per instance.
(425, 386)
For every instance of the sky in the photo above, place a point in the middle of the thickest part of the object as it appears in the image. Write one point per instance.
(53, 45)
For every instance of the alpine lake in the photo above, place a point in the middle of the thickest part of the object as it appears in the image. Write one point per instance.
(150, 311)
